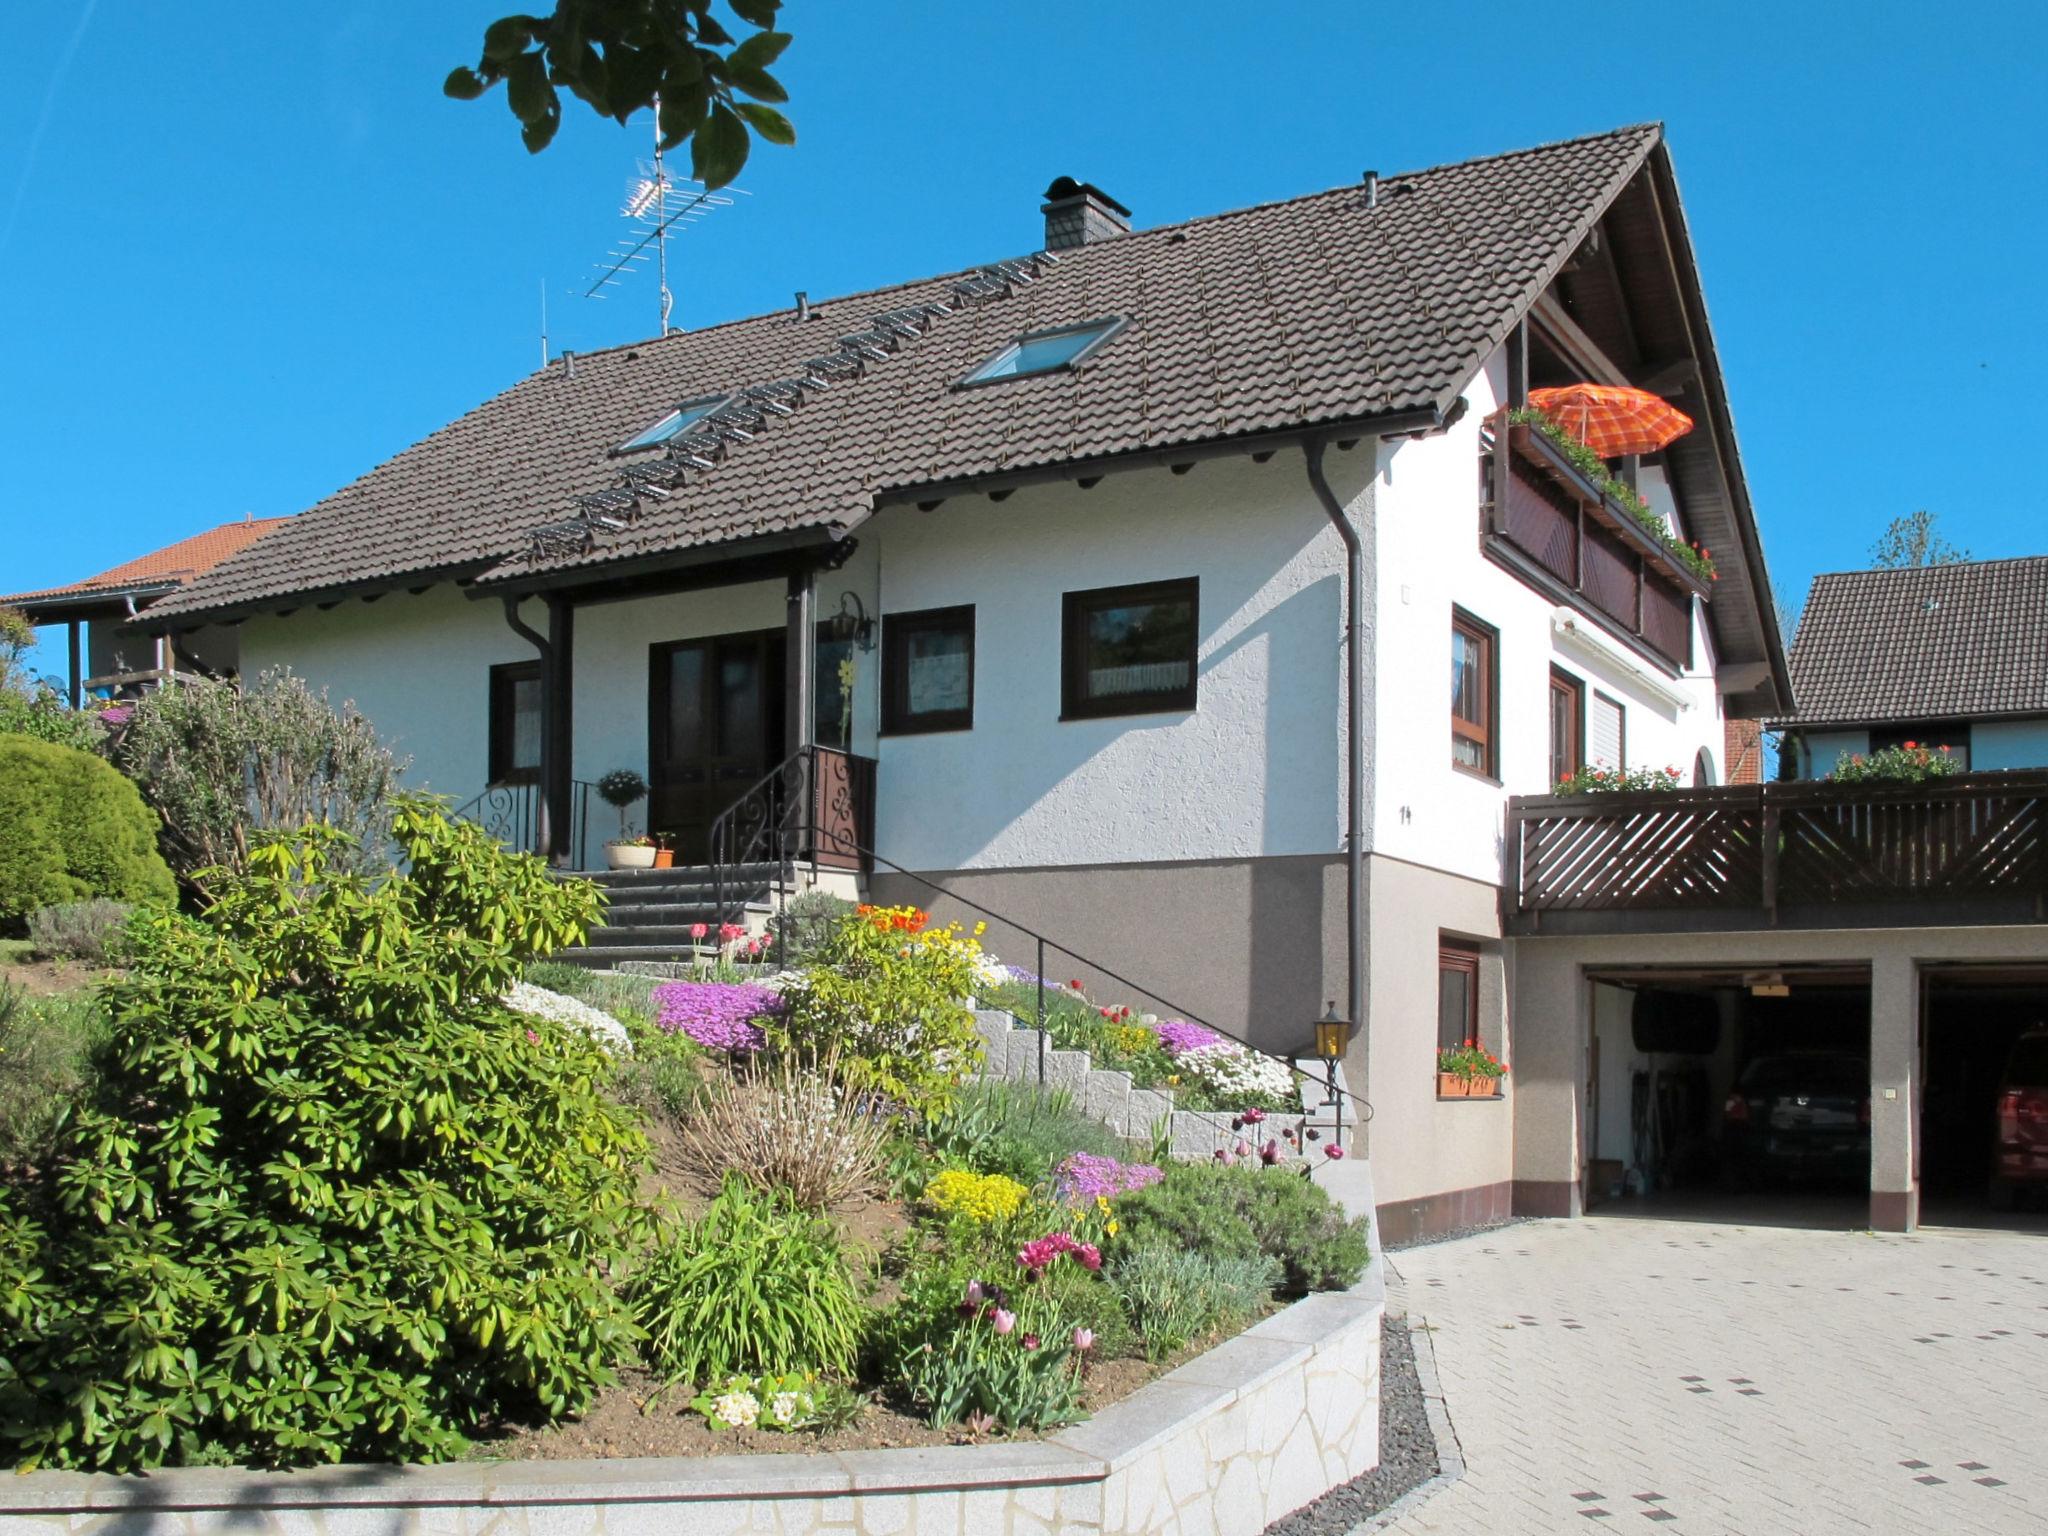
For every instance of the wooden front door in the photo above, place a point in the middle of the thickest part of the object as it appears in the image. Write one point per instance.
(715, 727)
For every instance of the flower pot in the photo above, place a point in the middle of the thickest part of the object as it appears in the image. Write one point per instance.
(1483, 1087)
(664, 858)
(1451, 1086)
(625, 856)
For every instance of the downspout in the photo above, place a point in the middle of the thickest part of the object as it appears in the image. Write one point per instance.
(1354, 690)
(543, 823)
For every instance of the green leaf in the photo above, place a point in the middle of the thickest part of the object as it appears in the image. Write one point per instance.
(759, 84)
(760, 13)
(463, 83)
(506, 38)
(759, 51)
(527, 89)
(683, 111)
(719, 149)
(767, 122)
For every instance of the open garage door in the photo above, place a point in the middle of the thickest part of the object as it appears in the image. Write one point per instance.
(1984, 1109)
(1735, 1094)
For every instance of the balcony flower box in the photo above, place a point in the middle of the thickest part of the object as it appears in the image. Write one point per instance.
(1452, 1085)
(1532, 447)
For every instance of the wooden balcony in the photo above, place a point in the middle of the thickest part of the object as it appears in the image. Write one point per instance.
(1968, 850)
(1550, 523)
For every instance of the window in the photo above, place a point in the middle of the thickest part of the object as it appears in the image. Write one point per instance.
(1129, 650)
(928, 670)
(1954, 736)
(1607, 740)
(688, 414)
(1565, 740)
(515, 722)
(1045, 351)
(1457, 997)
(833, 705)
(1474, 691)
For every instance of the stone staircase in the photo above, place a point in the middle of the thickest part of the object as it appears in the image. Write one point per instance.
(1019, 1054)
(649, 912)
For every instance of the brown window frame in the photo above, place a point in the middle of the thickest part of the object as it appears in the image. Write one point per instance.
(505, 677)
(1485, 732)
(897, 628)
(1461, 958)
(1075, 609)
(1572, 688)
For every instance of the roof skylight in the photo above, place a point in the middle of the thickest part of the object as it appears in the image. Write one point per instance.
(1046, 351)
(681, 418)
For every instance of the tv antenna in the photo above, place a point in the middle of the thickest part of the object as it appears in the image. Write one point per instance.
(657, 203)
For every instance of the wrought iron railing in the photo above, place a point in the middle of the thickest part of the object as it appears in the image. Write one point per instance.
(510, 812)
(1810, 846)
(817, 806)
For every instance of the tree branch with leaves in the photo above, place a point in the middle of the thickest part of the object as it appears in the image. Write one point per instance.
(1915, 540)
(619, 56)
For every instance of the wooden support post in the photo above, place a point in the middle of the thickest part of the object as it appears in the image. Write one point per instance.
(800, 693)
(1518, 365)
(77, 676)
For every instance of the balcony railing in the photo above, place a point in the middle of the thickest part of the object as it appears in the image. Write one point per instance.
(1547, 519)
(1968, 849)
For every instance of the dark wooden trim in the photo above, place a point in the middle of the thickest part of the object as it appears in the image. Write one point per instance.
(1462, 958)
(1485, 732)
(75, 692)
(1503, 552)
(500, 718)
(1572, 689)
(558, 725)
(1075, 609)
(897, 628)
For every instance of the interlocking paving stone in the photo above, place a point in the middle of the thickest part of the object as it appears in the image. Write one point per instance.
(1550, 1421)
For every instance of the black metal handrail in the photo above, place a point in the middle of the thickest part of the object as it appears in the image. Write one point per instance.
(510, 811)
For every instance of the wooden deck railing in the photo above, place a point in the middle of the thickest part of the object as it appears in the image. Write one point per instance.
(1763, 851)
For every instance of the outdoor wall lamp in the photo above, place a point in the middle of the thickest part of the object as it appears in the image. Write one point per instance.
(851, 622)
(1333, 1034)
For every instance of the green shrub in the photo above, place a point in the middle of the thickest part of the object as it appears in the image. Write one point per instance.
(1912, 763)
(30, 706)
(1017, 1129)
(1175, 1296)
(665, 1074)
(624, 996)
(71, 828)
(756, 1285)
(332, 1199)
(79, 930)
(890, 994)
(46, 1051)
(1245, 1212)
(1064, 1297)
(222, 764)
(940, 1346)
(800, 930)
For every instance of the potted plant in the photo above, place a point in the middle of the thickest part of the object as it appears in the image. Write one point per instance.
(1468, 1072)
(620, 788)
(664, 851)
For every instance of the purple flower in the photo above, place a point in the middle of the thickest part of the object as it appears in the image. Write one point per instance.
(1087, 1176)
(720, 1016)
(1179, 1037)
(1004, 1321)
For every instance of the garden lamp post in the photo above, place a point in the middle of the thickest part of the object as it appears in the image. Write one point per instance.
(1333, 1034)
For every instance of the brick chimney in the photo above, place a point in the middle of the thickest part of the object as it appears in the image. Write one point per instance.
(1080, 213)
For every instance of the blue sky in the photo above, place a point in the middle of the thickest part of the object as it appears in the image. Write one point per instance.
(249, 250)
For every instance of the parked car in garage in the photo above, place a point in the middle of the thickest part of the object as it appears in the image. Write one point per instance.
(2020, 1154)
(1798, 1116)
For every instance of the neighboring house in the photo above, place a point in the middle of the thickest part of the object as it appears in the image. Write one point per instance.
(1044, 565)
(109, 653)
(1951, 656)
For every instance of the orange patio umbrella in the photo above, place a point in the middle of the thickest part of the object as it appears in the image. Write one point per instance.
(1612, 419)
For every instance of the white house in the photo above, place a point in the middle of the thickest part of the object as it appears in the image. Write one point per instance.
(1056, 569)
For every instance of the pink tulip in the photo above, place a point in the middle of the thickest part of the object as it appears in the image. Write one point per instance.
(974, 1292)
(698, 930)
(1004, 1321)
(1084, 1340)
(1031, 1341)
(1333, 1152)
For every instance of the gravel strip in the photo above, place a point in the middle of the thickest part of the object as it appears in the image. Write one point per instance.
(1407, 1449)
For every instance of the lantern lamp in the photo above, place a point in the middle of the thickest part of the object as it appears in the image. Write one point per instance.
(1333, 1033)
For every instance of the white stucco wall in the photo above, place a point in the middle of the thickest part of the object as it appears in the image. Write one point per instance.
(1429, 561)
(1255, 769)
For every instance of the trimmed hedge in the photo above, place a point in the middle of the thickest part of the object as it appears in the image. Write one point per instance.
(71, 828)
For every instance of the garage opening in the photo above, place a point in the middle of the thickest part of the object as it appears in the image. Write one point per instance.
(1984, 1106)
(1737, 1094)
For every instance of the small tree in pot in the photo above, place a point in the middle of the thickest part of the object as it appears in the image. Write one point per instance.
(620, 789)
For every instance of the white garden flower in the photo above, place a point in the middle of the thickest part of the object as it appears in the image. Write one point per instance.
(785, 1407)
(540, 1003)
(739, 1409)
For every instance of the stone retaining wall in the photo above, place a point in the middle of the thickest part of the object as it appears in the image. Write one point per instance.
(1223, 1446)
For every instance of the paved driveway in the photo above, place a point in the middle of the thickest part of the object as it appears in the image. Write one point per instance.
(1640, 1375)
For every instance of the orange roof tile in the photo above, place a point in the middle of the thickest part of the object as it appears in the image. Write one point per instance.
(173, 565)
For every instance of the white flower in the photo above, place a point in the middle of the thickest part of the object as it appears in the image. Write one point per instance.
(739, 1409)
(784, 1407)
(540, 1003)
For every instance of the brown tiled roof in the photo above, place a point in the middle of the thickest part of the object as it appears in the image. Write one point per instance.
(1742, 743)
(1922, 643)
(174, 565)
(1281, 316)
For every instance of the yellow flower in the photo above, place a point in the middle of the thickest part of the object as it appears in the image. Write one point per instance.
(975, 1197)
(981, 928)
(1112, 1229)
